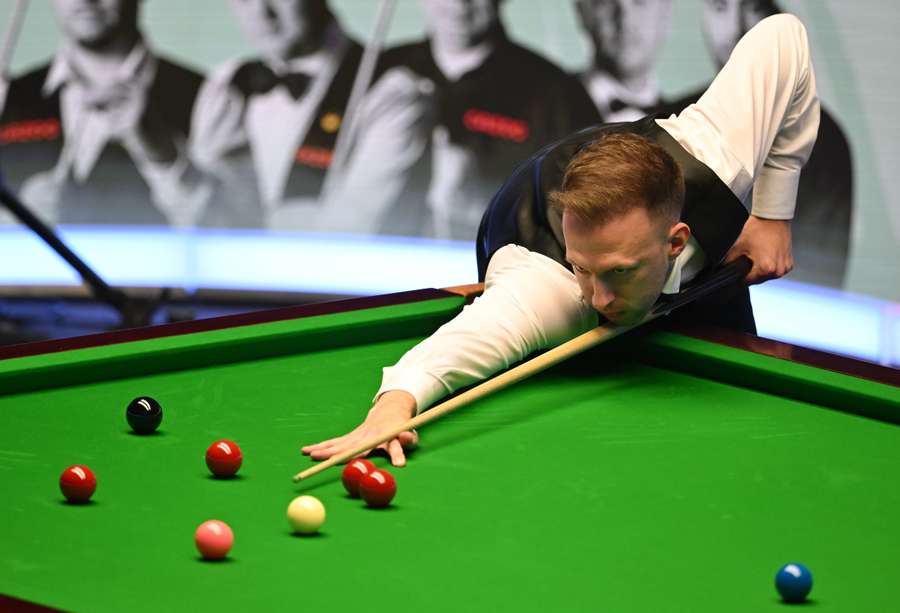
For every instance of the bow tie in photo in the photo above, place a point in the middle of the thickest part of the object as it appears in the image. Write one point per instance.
(257, 78)
(616, 105)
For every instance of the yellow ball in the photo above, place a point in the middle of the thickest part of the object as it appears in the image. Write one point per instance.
(306, 514)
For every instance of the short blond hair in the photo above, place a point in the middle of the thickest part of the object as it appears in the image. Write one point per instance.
(617, 173)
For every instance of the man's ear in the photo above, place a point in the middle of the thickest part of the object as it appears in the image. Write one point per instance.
(679, 234)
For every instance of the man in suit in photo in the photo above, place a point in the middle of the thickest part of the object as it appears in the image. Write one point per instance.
(98, 134)
(493, 102)
(267, 127)
(626, 37)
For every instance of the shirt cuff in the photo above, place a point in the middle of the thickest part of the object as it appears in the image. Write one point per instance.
(423, 387)
(775, 193)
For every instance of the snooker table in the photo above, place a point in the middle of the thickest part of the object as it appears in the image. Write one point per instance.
(663, 471)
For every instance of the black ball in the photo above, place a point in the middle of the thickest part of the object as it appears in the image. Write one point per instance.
(144, 414)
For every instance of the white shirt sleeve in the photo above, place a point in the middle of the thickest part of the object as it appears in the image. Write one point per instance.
(530, 302)
(394, 123)
(217, 120)
(756, 125)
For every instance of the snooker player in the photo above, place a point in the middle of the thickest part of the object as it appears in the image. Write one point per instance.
(610, 218)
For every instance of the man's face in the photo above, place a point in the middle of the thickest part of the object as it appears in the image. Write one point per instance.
(93, 23)
(459, 24)
(280, 29)
(725, 21)
(621, 265)
(627, 34)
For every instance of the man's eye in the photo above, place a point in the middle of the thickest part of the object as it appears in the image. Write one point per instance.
(578, 268)
(621, 271)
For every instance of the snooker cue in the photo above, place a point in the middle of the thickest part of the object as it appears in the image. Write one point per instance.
(11, 36)
(8, 45)
(727, 274)
(361, 83)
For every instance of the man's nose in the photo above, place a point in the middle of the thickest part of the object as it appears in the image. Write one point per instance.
(602, 295)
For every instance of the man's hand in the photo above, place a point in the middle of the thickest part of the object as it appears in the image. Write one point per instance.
(392, 409)
(136, 126)
(768, 243)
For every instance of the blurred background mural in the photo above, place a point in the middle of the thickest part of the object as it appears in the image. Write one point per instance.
(324, 148)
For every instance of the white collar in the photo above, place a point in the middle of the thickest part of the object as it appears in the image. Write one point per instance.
(685, 267)
(64, 70)
(604, 88)
(454, 64)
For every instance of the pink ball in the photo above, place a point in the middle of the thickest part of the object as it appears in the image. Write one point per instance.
(214, 539)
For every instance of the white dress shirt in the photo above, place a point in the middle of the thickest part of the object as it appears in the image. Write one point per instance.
(277, 124)
(394, 119)
(754, 127)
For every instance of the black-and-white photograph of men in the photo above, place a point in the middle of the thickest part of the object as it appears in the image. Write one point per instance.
(822, 222)
(495, 103)
(626, 38)
(267, 127)
(98, 135)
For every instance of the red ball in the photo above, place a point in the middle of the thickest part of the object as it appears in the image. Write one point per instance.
(78, 483)
(214, 539)
(224, 458)
(354, 471)
(378, 488)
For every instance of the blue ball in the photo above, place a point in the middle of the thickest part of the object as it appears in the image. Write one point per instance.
(793, 581)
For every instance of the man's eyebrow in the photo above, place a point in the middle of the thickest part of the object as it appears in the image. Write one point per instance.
(627, 264)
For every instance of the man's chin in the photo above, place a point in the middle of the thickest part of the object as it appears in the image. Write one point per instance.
(94, 39)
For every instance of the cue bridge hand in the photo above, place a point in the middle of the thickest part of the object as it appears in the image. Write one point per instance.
(391, 409)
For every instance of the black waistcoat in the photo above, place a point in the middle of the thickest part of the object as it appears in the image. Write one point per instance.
(519, 213)
(313, 156)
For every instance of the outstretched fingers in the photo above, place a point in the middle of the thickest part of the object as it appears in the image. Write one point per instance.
(309, 449)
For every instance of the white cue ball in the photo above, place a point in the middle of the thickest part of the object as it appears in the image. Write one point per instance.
(306, 514)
